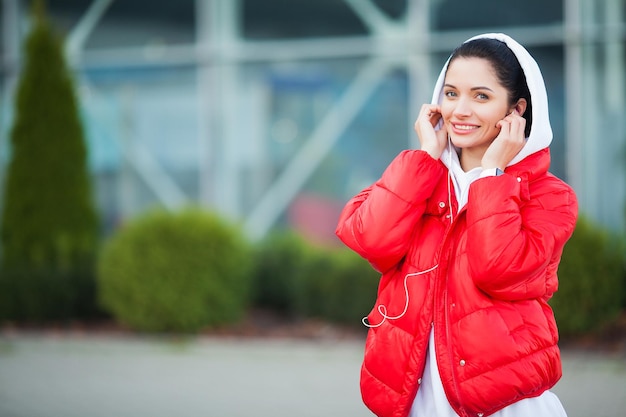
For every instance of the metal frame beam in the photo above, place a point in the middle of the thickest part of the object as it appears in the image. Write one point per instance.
(594, 97)
(573, 93)
(218, 37)
(315, 148)
(310, 49)
(376, 21)
(77, 38)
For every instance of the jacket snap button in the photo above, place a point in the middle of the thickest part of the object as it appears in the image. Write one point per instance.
(462, 363)
(419, 381)
(480, 414)
(519, 179)
(442, 204)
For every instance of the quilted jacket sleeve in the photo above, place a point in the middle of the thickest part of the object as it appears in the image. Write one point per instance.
(514, 246)
(377, 223)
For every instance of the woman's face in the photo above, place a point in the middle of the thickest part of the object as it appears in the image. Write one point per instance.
(473, 102)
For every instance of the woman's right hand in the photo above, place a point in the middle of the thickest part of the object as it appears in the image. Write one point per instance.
(432, 141)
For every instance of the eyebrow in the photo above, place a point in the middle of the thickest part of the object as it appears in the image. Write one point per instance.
(471, 89)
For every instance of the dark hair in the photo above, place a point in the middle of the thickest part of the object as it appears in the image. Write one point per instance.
(506, 66)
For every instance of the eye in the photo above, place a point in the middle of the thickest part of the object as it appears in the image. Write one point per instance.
(449, 93)
(482, 96)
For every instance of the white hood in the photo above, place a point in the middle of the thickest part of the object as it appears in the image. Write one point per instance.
(540, 135)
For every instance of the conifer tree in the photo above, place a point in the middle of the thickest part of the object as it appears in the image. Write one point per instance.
(49, 226)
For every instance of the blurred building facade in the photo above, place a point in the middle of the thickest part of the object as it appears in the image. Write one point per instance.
(275, 112)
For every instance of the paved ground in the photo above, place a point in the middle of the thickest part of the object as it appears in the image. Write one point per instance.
(94, 376)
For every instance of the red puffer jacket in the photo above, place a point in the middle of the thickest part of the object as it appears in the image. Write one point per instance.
(496, 263)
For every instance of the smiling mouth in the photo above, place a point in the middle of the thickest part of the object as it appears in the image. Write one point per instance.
(464, 127)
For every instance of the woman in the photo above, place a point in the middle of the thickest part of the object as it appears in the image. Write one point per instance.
(467, 232)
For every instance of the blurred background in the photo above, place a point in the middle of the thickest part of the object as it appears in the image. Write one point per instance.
(242, 120)
(276, 112)
(188, 178)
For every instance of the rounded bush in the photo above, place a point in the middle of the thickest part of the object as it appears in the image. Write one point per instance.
(355, 286)
(295, 277)
(591, 281)
(178, 272)
(304, 280)
(278, 261)
(338, 286)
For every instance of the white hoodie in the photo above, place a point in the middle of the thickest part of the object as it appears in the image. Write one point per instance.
(540, 135)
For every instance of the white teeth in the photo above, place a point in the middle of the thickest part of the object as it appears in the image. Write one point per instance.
(464, 127)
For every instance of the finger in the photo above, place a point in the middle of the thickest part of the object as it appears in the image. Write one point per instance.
(435, 114)
(515, 116)
(514, 127)
(424, 113)
(504, 125)
(522, 126)
(517, 128)
(429, 113)
(428, 108)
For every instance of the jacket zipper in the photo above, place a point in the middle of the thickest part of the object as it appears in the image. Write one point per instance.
(455, 383)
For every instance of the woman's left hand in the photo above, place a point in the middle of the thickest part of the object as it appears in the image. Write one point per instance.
(507, 144)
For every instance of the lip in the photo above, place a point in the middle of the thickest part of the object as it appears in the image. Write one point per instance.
(463, 128)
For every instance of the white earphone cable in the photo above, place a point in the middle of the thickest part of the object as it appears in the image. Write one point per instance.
(382, 309)
(450, 150)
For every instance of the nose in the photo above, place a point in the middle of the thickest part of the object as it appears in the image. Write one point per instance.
(462, 107)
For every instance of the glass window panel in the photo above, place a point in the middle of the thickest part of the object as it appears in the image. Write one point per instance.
(551, 63)
(275, 19)
(149, 112)
(297, 98)
(479, 14)
(2, 33)
(393, 8)
(131, 22)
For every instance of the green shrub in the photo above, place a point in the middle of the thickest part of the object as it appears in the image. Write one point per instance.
(176, 272)
(339, 286)
(356, 288)
(279, 260)
(313, 286)
(47, 295)
(302, 280)
(49, 226)
(591, 281)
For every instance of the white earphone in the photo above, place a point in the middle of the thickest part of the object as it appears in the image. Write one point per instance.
(382, 309)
